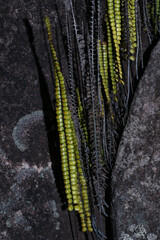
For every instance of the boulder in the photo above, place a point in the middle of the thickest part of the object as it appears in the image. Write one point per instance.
(136, 175)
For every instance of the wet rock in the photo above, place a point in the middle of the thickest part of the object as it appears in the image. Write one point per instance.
(136, 175)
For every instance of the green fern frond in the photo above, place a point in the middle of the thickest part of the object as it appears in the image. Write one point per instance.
(74, 180)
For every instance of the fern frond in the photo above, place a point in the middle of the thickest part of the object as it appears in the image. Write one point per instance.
(74, 180)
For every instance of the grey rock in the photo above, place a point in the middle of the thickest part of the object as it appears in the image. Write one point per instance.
(136, 175)
(30, 192)
(32, 205)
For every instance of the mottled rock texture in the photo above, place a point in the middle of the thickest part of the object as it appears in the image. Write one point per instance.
(32, 206)
(136, 175)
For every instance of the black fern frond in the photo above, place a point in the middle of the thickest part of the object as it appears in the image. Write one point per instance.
(81, 49)
(146, 20)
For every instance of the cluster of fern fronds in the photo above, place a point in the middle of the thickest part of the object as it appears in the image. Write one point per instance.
(92, 100)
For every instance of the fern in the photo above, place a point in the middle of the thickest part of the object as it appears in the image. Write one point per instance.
(92, 101)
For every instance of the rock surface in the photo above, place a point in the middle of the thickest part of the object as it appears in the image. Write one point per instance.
(31, 203)
(136, 175)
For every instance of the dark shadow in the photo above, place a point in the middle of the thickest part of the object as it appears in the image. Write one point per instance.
(49, 118)
(109, 228)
